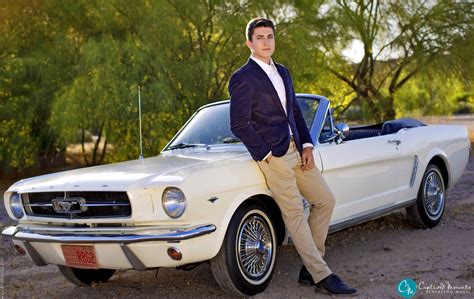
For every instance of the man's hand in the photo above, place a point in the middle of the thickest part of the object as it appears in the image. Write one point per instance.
(307, 160)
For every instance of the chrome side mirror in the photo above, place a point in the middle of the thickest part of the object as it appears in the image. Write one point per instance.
(343, 130)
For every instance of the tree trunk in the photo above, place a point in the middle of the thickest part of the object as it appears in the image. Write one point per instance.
(83, 140)
(389, 110)
(96, 159)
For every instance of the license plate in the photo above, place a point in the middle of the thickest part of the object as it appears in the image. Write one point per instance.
(80, 256)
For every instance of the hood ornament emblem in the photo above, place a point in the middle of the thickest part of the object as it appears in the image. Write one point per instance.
(72, 205)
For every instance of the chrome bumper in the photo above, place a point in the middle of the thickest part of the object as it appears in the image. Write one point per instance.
(120, 236)
(104, 236)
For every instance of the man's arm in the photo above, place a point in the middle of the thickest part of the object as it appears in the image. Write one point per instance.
(240, 112)
(307, 158)
(306, 139)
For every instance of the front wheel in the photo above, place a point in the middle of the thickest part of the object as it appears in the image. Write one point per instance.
(426, 212)
(245, 262)
(85, 277)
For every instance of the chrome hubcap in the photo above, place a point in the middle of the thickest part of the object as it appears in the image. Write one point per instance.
(433, 195)
(255, 247)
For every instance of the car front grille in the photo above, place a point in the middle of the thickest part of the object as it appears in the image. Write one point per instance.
(77, 205)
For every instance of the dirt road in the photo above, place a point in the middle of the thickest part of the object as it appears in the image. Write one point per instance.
(373, 256)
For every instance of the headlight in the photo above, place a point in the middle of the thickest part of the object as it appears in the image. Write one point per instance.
(174, 202)
(15, 206)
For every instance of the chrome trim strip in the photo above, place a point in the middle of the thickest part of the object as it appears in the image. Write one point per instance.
(91, 230)
(132, 258)
(367, 216)
(414, 171)
(35, 256)
(178, 235)
(38, 205)
(104, 204)
(82, 205)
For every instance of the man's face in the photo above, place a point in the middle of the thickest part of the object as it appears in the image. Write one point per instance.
(262, 44)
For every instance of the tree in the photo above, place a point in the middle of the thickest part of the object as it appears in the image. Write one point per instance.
(182, 54)
(29, 75)
(69, 69)
(400, 38)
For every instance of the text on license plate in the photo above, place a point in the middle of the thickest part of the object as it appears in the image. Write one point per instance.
(80, 256)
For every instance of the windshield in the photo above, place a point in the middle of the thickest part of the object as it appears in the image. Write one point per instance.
(210, 125)
(308, 107)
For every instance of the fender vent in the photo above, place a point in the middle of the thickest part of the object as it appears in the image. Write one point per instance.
(414, 171)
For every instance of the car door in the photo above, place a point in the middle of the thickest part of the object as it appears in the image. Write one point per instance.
(410, 145)
(363, 173)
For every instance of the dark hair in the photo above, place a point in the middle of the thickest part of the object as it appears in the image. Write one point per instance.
(258, 22)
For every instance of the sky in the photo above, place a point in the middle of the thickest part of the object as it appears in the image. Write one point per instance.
(355, 51)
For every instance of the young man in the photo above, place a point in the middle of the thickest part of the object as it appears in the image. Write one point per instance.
(265, 115)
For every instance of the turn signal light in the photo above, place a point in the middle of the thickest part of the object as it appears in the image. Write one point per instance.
(174, 254)
(20, 250)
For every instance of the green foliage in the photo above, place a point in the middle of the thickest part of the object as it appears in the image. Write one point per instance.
(70, 69)
(421, 97)
(400, 39)
(465, 103)
(30, 74)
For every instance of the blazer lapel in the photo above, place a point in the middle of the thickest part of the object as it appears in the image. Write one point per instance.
(267, 83)
(286, 82)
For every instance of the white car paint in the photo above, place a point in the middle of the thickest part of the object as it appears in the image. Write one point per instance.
(365, 175)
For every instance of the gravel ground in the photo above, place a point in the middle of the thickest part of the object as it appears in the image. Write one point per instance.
(373, 256)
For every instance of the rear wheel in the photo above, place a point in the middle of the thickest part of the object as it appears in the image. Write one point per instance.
(245, 262)
(428, 209)
(85, 277)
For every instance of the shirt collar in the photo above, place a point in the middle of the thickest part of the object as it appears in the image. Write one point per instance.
(266, 67)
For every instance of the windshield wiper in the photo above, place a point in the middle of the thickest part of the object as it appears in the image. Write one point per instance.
(186, 145)
(231, 140)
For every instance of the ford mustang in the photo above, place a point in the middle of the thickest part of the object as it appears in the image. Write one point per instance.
(204, 198)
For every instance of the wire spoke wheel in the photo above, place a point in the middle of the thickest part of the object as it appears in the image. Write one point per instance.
(429, 207)
(244, 265)
(254, 247)
(433, 194)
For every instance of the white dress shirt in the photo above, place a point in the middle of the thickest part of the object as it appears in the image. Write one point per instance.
(277, 81)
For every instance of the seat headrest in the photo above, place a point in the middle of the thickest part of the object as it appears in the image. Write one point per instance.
(393, 126)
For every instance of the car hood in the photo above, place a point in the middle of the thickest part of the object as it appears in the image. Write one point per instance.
(167, 167)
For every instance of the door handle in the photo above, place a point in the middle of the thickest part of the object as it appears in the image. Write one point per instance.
(395, 141)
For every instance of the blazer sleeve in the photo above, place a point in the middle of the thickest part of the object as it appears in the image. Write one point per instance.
(299, 118)
(240, 116)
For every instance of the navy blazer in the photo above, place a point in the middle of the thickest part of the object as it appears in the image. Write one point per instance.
(257, 116)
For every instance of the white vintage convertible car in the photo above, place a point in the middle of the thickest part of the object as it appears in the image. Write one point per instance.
(204, 199)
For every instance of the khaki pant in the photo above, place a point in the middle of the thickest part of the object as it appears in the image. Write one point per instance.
(288, 182)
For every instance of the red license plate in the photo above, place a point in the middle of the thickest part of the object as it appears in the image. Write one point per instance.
(80, 256)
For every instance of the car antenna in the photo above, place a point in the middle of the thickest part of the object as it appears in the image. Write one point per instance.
(140, 121)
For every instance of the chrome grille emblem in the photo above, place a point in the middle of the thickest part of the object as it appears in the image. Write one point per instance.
(71, 205)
